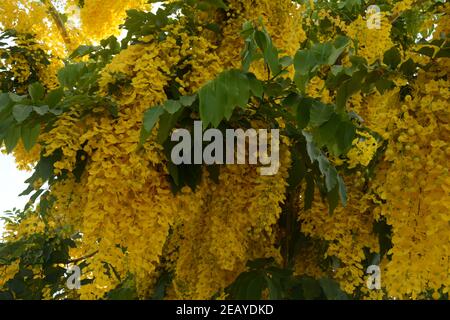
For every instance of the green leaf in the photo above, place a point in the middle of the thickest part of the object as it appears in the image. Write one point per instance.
(151, 117)
(341, 42)
(330, 173)
(247, 28)
(261, 40)
(333, 199)
(56, 112)
(211, 107)
(172, 106)
(255, 288)
(384, 84)
(325, 135)
(342, 191)
(304, 61)
(126, 290)
(21, 112)
(322, 53)
(36, 91)
(82, 51)
(336, 134)
(312, 150)
(187, 101)
(166, 124)
(213, 27)
(286, 61)
(275, 288)
(408, 68)
(239, 88)
(292, 100)
(270, 52)
(30, 135)
(273, 89)
(250, 53)
(301, 81)
(161, 285)
(332, 289)
(319, 113)
(14, 97)
(17, 286)
(271, 57)
(310, 287)
(12, 138)
(334, 184)
(256, 86)
(70, 74)
(41, 110)
(392, 58)
(339, 45)
(219, 97)
(5, 101)
(345, 134)
(308, 61)
(303, 112)
(54, 97)
(350, 5)
(348, 88)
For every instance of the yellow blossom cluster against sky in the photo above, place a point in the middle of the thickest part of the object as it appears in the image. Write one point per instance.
(12, 180)
(122, 204)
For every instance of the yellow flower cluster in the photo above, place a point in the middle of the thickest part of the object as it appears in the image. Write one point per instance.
(33, 17)
(7, 272)
(132, 223)
(377, 110)
(282, 19)
(414, 184)
(443, 24)
(316, 88)
(101, 18)
(363, 150)
(19, 67)
(401, 6)
(25, 160)
(372, 43)
(30, 17)
(28, 226)
(225, 229)
(65, 136)
(123, 204)
(348, 232)
(337, 24)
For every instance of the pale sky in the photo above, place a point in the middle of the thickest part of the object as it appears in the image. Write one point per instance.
(11, 185)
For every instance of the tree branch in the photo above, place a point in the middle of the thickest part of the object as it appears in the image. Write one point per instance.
(57, 20)
(83, 258)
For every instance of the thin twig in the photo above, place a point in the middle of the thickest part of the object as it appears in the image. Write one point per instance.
(82, 258)
(58, 21)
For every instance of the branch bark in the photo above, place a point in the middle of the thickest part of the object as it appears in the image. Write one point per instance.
(83, 258)
(57, 20)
